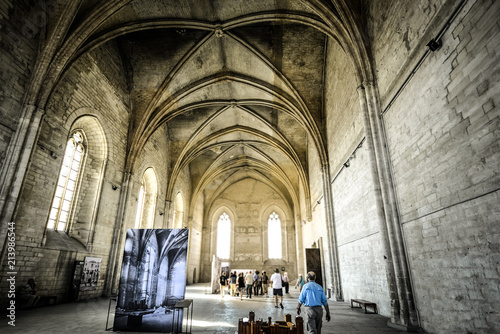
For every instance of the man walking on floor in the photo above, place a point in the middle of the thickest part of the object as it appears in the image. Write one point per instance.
(276, 283)
(313, 297)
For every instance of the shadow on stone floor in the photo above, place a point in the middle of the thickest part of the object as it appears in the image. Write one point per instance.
(211, 314)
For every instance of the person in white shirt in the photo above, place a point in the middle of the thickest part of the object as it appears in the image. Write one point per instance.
(276, 283)
(249, 283)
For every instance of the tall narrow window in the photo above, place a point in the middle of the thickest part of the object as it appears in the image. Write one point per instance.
(140, 207)
(67, 183)
(274, 236)
(223, 236)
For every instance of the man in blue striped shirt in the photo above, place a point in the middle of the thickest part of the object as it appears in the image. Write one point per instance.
(313, 297)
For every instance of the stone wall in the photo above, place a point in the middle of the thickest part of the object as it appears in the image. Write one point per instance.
(443, 140)
(249, 215)
(90, 89)
(18, 47)
(314, 232)
(154, 155)
(360, 251)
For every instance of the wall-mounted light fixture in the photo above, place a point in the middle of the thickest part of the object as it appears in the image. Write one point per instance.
(347, 164)
(434, 45)
(114, 187)
(161, 213)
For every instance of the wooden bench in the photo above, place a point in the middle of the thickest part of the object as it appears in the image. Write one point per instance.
(364, 303)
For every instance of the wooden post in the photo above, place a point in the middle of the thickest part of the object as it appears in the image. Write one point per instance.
(299, 323)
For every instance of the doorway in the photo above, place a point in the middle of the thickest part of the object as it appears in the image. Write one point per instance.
(313, 263)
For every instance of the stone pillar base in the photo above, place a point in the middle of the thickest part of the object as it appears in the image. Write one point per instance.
(404, 328)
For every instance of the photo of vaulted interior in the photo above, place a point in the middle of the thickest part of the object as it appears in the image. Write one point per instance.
(359, 138)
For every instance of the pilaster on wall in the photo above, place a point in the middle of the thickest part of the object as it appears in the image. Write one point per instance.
(331, 235)
(298, 245)
(15, 167)
(114, 264)
(403, 310)
(167, 213)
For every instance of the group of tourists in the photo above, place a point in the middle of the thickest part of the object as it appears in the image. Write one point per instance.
(247, 283)
(312, 295)
(254, 283)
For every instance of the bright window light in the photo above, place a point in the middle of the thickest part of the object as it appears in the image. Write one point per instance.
(68, 177)
(274, 236)
(223, 236)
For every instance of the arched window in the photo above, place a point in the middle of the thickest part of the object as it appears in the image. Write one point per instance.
(67, 183)
(223, 236)
(146, 201)
(274, 236)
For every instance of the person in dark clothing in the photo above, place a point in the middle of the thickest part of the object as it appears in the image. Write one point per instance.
(257, 283)
(233, 282)
(223, 281)
(265, 282)
(241, 285)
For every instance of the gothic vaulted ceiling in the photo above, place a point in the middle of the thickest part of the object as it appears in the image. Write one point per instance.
(236, 85)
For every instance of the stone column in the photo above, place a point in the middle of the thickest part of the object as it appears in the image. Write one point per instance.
(333, 255)
(299, 246)
(167, 209)
(113, 269)
(402, 303)
(16, 164)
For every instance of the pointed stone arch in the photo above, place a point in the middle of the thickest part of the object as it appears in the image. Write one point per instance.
(146, 202)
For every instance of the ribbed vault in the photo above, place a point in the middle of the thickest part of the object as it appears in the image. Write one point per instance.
(236, 86)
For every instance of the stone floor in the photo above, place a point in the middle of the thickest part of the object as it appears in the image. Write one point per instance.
(211, 314)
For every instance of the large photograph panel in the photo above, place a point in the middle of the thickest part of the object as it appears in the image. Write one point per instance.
(153, 279)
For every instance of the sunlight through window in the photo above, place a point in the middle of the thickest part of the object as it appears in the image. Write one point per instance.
(223, 236)
(274, 236)
(67, 182)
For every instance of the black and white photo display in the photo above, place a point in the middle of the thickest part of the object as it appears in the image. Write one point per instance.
(153, 279)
